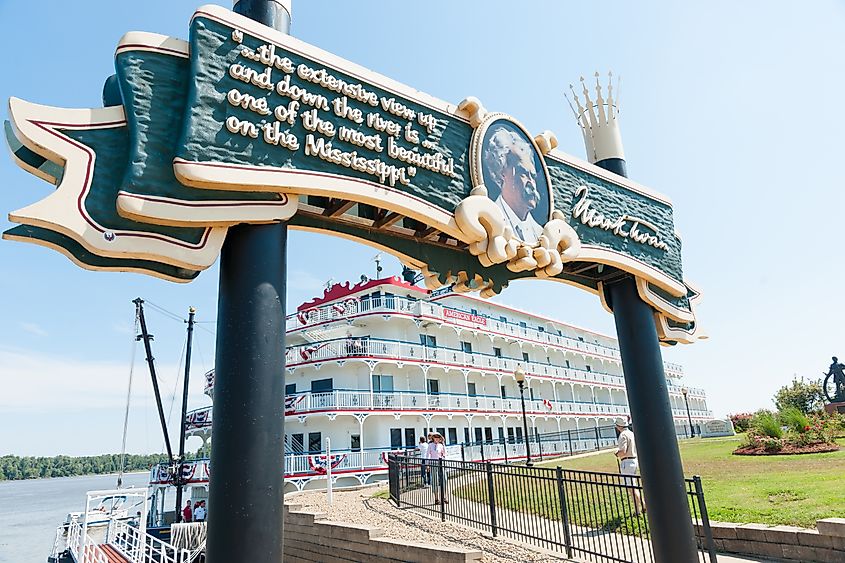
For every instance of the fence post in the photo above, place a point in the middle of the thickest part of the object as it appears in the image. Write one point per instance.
(705, 519)
(393, 479)
(569, 438)
(463, 455)
(505, 448)
(441, 473)
(564, 512)
(491, 494)
(329, 470)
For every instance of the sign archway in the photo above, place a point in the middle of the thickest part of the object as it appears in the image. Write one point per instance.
(243, 127)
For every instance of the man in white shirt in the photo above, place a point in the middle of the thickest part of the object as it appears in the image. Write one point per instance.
(199, 513)
(509, 160)
(626, 452)
(423, 451)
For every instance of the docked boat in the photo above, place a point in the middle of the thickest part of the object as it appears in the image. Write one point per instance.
(373, 366)
(370, 368)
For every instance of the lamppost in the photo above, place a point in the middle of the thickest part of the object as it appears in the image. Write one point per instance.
(519, 375)
(685, 392)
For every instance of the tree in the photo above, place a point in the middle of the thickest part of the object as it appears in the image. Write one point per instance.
(806, 396)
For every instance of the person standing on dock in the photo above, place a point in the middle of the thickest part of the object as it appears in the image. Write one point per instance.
(187, 513)
(199, 511)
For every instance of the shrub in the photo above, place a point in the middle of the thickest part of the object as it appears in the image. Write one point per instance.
(806, 396)
(794, 420)
(741, 421)
(755, 439)
(766, 424)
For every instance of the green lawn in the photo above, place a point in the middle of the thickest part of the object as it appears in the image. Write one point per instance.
(786, 489)
(604, 505)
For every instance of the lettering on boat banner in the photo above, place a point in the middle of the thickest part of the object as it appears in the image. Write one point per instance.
(460, 317)
(244, 124)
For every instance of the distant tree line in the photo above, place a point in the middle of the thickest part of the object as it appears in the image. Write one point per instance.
(14, 468)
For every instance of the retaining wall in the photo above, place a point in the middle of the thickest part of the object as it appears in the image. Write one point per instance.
(309, 537)
(826, 544)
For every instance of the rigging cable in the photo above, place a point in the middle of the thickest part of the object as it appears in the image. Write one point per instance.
(165, 312)
(128, 396)
(176, 383)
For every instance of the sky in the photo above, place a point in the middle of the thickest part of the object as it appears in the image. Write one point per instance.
(728, 108)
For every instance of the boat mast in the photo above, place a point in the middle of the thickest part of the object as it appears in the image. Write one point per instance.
(147, 337)
(177, 479)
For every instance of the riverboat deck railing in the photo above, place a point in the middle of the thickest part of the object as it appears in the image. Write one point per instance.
(89, 551)
(506, 449)
(377, 348)
(352, 307)
(139, 547)
(399, 401)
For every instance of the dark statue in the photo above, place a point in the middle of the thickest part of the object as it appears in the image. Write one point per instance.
(837, 372)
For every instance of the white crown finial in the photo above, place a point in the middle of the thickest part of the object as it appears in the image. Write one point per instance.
(599, 120)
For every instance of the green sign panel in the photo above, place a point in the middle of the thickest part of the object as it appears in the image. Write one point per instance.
(243, 124)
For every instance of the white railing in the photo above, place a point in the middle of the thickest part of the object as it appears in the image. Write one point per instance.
(345, 348)
(91, 552)
(396, 350)
(398, 400)
(353, 306)
(296, 464)
(140, 547)
(416, 401)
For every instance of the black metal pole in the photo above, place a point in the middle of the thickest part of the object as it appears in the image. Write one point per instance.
(689, 418)
(525, 424)
(668, 513)
(147, 337)
(184, 425)
(247, 473)
(673, 539)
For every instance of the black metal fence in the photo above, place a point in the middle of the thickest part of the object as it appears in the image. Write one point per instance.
(590, 515)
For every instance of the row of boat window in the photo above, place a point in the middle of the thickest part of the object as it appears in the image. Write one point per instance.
(384, 384)
(403, 438)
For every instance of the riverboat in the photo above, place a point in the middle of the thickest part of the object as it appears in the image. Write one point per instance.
(373, 366)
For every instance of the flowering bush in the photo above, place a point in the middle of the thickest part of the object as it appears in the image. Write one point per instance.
(801, 431)
(741, 421)
(819, 430)
(756, 439)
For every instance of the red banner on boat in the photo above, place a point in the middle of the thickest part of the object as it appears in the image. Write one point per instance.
(461, 316)
(319, 463)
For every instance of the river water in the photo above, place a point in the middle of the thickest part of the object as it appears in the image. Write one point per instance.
(31, 510)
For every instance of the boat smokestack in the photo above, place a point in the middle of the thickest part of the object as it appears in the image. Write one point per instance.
(598, 117)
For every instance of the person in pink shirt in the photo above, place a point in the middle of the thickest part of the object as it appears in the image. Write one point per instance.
(436, 455)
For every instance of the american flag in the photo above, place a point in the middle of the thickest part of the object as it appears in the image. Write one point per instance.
(291, 401)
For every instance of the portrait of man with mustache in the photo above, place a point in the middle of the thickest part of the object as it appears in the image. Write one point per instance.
(509, 164)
